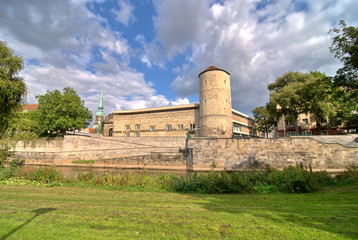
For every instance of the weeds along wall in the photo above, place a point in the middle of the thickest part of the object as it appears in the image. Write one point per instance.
(322, 153)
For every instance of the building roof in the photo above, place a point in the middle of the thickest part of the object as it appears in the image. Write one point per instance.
(158, 109)
(30, 107)
(211, 68)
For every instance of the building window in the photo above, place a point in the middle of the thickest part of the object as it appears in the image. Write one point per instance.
(137, 126)
(307, 133)
(290, 124)
(137, 134)
(324, 132)
(152, 128)
(192, 127)
(110, 133)
(305, 121)
(236, 127)
(168, 127)
(127, 127)
(180, 127)
(289, 134)
(126, 134)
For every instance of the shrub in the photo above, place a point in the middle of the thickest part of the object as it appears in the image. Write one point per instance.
(47, 175)
(350, 175)
(86, 177)
(11, 170)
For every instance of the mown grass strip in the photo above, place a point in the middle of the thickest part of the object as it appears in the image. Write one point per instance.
(29, 212)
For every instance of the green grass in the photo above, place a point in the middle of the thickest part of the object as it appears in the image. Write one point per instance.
(29, 212)
(83, 162)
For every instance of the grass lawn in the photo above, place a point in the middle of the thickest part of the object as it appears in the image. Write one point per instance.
(91, 213)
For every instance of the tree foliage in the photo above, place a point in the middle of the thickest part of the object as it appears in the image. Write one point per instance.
(12, 86)
(295, 93)
(344, 46)
(58, 112)
(264, 121)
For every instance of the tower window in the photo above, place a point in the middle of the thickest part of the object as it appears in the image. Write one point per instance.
(127, 127)
(168, 127)
(137, 126)
(224, 81)
(180, 126)
(152, 128)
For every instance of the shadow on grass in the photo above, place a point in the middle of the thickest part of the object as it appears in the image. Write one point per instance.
(37, 212)
(334, 211)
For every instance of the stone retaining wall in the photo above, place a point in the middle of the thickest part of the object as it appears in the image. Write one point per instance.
(322, 153)
(239, 153)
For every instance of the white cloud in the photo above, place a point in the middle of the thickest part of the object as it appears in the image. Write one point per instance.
(256, 43)
(73, 47)
(180, 101)
(125, 13)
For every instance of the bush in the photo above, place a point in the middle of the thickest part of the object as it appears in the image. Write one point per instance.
(11, 170)
(290, 180)
(46, 175)
(350, 175)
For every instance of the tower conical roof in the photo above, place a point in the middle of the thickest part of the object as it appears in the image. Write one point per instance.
(100, 106)
(211, 67)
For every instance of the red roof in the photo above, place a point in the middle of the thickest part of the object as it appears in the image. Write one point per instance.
(30, 107)
(211, 67)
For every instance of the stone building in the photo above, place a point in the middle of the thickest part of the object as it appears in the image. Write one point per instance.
(213, 117)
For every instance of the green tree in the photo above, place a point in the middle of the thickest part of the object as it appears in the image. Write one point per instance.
(264, 121)
(295, 93)
(12, 86)
(344, 46)
(58, 112)
(12, 91)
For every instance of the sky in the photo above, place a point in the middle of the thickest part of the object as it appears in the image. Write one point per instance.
(148, 53)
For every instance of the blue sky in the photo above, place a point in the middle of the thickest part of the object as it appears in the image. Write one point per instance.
(148, 53)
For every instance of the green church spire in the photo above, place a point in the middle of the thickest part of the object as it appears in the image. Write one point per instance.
(100, 106)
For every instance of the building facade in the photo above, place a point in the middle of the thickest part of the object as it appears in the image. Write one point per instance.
(304, 126)
(213, 117)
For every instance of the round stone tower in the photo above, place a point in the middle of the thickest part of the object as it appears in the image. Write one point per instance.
(215, 103)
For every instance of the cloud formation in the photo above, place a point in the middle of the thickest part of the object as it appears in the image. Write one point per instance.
(255, 41)
(95, 45)
(65, 44)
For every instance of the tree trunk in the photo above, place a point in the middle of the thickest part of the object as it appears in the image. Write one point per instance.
(318, 127)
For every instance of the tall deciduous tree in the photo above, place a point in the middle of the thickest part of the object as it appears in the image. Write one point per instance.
(344, 46)
(58, 112)
(295, 93)
(264, 121)
(12, 86)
